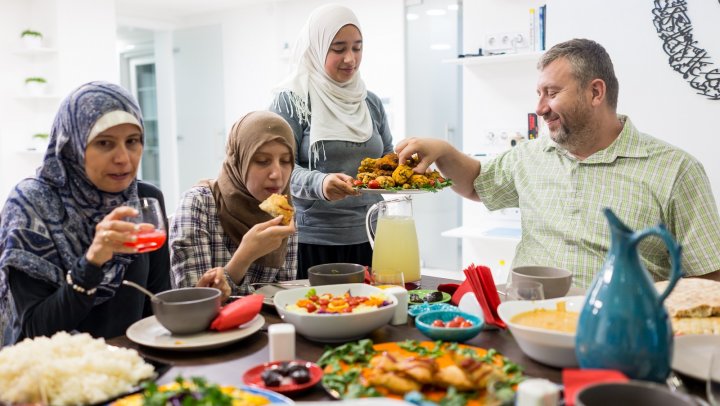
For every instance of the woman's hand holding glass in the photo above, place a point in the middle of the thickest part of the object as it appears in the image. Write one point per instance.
(128, 230)
(150, 225)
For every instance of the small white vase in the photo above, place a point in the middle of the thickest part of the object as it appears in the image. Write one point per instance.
(32, 42)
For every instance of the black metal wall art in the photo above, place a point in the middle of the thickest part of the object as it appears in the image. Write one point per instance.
(675, 29)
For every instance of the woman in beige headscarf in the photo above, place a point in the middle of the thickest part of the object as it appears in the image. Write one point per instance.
(218, 224)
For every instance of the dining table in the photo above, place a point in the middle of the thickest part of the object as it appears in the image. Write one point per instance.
(226, 365)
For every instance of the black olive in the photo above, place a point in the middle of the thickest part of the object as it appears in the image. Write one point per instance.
(271, 377)
(434, 296)
(283, 368)
(296, 367)
(300, 375)
(415, 298)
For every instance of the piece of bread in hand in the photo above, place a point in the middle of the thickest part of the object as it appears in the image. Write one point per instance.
(278, 205)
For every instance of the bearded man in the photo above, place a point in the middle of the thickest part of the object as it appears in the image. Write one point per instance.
(593, 158)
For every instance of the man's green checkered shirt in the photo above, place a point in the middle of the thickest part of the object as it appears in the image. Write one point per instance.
(642, 179)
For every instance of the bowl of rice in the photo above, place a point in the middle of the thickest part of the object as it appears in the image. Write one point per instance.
(335, 313)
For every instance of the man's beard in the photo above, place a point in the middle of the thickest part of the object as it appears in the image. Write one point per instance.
(576, 131)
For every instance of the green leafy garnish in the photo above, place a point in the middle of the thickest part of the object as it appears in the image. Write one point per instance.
(414, 346)
(202, 394)
(310, 293)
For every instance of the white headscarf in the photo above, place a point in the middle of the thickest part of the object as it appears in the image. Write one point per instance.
(339, 110)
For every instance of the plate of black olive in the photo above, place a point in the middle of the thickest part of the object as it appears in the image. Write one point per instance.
(284, 376)
(427, 296)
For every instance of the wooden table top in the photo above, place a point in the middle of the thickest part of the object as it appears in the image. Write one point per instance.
(226, 365)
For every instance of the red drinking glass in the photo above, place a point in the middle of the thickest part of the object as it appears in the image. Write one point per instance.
(149, 212)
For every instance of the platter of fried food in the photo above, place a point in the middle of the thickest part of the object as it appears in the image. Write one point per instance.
(387, 175)
(436, 371)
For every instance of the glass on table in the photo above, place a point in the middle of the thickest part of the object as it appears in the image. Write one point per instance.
(524, 290)
(149, 212)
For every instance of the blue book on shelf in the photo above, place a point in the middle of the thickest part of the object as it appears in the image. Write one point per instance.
(542, 14)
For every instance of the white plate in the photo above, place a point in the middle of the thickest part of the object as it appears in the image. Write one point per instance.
(691, 354)
(394, 192)
(151, 333)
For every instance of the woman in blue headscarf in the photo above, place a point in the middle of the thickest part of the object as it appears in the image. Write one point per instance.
(62, 234)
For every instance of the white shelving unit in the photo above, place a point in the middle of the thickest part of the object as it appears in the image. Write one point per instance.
(498, 93)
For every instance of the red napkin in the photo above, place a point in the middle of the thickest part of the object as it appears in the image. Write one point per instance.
(483, 285)
(576, 379)
(238, 313)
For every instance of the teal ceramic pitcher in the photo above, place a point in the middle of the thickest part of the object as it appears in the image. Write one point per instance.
(623, 324)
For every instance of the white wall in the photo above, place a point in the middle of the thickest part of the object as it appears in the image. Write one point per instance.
(658, 100)
(254, 62)
(83, 33)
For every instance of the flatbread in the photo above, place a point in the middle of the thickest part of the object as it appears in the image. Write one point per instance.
(699, 325)
(692, 297)
(278, 205)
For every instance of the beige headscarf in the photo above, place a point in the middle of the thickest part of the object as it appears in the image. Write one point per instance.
(339, 110)
(237, 208)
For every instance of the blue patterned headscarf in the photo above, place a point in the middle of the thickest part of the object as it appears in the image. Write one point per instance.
(48, 221)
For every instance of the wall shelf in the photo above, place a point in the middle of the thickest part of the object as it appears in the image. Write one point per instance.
(495, 59)
(35, 51)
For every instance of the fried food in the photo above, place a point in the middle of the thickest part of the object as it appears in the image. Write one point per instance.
(385, 181)
(390, 174)
(367, 165)
(278, 205)
(418, 181)
(366, 177)
(388, 162)
(402, 174)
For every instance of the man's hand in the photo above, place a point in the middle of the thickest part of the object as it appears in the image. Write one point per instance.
(452, 163)
(427, 149)
(337, 186)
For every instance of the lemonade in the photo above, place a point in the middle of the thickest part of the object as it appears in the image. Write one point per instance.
(396, 248)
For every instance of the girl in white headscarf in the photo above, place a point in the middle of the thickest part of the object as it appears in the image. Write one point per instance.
(336, 123)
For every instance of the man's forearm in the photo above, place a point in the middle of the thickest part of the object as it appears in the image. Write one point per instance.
(463, 170)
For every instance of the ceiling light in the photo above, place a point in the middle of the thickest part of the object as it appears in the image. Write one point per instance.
(453, 7)
(412, 16)
(436, 12)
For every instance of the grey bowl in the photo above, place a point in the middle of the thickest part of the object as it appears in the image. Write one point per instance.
(556, 282)
(333, 274)
(631, 393)
(187, 310)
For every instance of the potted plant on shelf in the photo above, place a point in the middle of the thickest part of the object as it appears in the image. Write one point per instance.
(35, 86)
(32, 39)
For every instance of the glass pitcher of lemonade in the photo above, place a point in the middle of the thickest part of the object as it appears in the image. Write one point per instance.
(394, 242)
